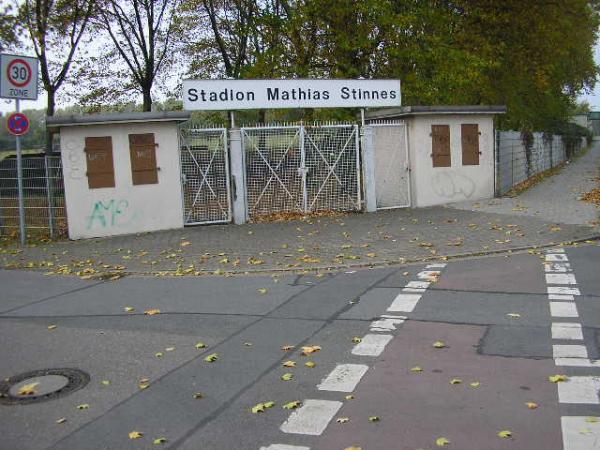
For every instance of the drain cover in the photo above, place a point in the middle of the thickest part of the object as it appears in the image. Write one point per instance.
(41, 385)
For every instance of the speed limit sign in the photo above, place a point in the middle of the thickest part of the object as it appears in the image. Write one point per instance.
(18, 77)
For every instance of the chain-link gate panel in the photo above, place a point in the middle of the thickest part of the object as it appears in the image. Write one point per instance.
(332, 176)
(273, 158)
(205, 176)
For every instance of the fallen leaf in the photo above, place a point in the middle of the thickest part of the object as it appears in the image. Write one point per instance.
(343, 420)
(513, 315)
(200, 345)
(261, 407)
(287, 348)
(128, 309)
(309, 364)
(372, 255)
(592, 419)
(292, 405)
(374, 419)
(349, 397)
(585, 431)
(310, 349)
(356, 340)
(353, 448)
(106, 382)
(143, 383)
(439, 344)
(61, 420)
(287, 376)
(455, 381)
(475, 384)
(441, 442)
(558, 378)
(248, 344)
(135, 434)
(198, 395)
(262, 290)
(169, 349)
(52, 327)
(505, 434)
(152, 312)
(531, 405)
(212, 357)
(83, 406)
(416, 369)
(185, 243)
(28, 389)
(289, 364)
(159, 441)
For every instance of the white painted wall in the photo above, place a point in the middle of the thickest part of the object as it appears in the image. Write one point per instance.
(440, 185)
(125, 208)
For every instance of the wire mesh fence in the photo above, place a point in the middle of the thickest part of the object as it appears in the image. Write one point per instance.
(43, 196)
(205, 175)
(301, 169)
(517, 162)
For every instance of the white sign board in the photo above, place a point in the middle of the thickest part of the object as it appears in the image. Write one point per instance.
(18, 77)
(209, 95)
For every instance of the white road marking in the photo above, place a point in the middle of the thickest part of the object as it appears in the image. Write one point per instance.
(435, 266)
(555, 250)
(563, 290)
(404, 303)
(576, 362)
(418, 284)
(385, 324)
(284, 447)
(567, 330)
(556, 257)
(343, 378)
(428, 275)
(557, 267)
(580, 433)
(569, 351)
(562, 309)
(413, 290)
(391, 316)
(560, 297)
(372, 344)
(560, 278)
(311, 418)
(581, 390)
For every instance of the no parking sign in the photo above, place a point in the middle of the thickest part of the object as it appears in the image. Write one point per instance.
(17, 124)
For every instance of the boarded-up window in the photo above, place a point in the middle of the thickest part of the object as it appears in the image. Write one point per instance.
(470, 144)
(99, 158)
(142, 151)
(440, 145)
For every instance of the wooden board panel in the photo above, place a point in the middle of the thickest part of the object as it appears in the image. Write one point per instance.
(440, 145)
(470, 144)
(99, 159)
(142, 152)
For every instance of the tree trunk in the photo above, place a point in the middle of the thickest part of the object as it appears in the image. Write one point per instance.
(147, 99)
(50, 106)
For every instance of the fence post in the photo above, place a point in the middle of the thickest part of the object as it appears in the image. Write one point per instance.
(49, 197)
(368, 159)
(236, 155)
(303, 170)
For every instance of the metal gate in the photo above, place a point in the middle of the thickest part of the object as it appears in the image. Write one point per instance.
(392, 166)
(301, 168)
(205, 176)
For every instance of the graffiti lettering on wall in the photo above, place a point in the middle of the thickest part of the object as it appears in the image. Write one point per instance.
(452, 185)
(111, 213)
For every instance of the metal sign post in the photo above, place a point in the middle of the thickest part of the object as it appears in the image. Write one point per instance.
(19, 80)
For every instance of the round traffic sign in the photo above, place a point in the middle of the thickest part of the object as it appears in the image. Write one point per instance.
(17, 124)
(18, 72)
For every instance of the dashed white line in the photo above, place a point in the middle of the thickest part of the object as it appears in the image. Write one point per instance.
(580, 432)
(428, 275)
(560, 278)
(563, 309)
(418, 284)
(555, 250)
(343, 378)
(386, 324)
(557, 267)
(567, 330)
(284, 447)
(569, 351)
(560, 297)
(582, 390)
(577, 362)
(436, 266)
(372, 344)
(404, 303)
(556, 257)
(563, 290)
(312, 417)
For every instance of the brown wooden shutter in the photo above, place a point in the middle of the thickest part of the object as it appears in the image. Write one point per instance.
(142, 151)
(470, 144)
(99, 158)
(440, 145)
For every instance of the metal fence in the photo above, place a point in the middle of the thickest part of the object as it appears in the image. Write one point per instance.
(43, 195)
(299, 168)
(205, 175)
(515, 163)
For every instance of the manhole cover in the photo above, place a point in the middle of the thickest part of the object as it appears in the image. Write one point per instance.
(41, 385)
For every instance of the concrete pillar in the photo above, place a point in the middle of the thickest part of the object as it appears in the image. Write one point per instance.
(238, 176)
(368, 159)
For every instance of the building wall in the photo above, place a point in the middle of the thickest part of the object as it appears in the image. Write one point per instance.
(439, 185)
(125, 208)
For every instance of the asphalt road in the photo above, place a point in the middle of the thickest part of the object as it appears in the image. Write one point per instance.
(501, 320)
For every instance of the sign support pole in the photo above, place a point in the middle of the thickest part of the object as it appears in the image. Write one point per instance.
(20, 181)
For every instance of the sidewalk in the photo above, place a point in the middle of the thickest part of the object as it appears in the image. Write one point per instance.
(547, 214)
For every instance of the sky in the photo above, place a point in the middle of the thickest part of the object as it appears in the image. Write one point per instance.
(8, 106)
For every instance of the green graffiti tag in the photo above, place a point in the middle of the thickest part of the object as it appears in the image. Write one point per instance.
(108, 214)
